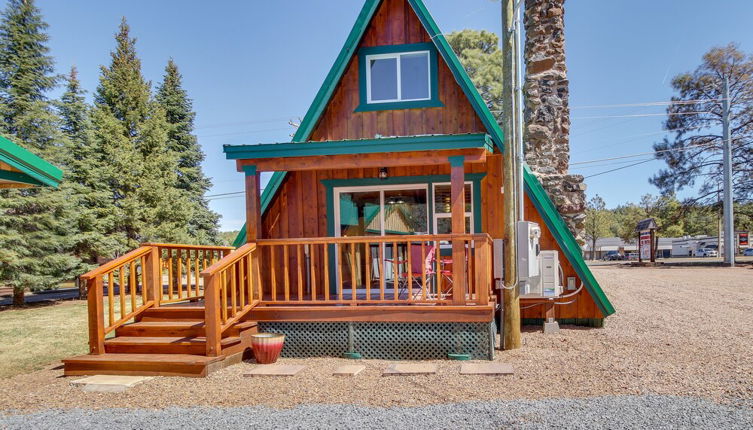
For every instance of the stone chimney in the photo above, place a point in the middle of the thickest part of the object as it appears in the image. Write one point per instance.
(547, 115)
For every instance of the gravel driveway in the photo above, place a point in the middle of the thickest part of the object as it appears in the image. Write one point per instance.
(602, 412)
(682, 332)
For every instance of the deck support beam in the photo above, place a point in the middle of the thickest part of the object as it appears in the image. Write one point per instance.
(457, 203)
(253, 203)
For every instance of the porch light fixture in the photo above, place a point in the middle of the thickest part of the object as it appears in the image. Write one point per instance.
(382, 173)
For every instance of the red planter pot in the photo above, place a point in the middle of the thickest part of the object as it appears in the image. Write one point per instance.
(267, 346)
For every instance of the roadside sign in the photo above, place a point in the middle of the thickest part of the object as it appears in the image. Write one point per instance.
(645, 245)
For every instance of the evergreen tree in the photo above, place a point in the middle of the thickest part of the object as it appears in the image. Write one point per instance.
(94, 215)
(131, 132)
(180, 116)
(694, 153)
(479, 53)
(37, 226)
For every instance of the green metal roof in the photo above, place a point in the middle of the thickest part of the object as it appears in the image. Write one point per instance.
(533, 187)
(33, 170)
(435, 142)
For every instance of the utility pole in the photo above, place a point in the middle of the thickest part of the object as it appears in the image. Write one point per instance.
(729, 225)
(510, 293)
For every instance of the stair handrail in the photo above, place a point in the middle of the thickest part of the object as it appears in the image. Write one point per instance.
(235, 279)
(146, 257)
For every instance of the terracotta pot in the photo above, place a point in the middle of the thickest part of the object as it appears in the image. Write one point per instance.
(267, 346)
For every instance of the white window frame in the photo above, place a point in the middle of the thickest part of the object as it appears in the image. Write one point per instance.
(381, 189)
(397, 56)
(438, 215)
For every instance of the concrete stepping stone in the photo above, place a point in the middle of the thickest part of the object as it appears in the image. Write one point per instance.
(410, 369)
(275, 370)
(348, 370)
(109, 383)
(486, 369)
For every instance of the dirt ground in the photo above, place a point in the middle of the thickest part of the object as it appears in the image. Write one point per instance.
(677, 331)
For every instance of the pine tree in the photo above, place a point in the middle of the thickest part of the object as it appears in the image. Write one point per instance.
(132, 134)
(83, 159)
(191, 179)
(36, 225)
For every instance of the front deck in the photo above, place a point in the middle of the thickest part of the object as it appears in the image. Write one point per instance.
(201, 304)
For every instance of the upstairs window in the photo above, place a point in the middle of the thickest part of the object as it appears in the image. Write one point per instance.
(398, 77)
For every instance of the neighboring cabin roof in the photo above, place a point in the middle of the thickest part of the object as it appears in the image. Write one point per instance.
(20, 168)
(536, 192)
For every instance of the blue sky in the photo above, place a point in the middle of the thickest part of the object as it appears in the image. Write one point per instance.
(251, 66)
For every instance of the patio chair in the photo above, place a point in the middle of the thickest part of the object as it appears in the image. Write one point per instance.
(428, 263)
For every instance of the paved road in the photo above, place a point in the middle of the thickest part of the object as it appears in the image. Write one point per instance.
(690, 261)
(613, 412)
(48, 296)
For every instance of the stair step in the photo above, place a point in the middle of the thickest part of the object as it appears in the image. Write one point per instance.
(139, 364)
(172, 313)
(163, 344)
(183, 328)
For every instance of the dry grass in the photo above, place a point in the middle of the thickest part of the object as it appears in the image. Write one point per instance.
(677, 331)
(32, 337)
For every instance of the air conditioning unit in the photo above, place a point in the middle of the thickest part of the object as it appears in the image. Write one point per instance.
(548, 282)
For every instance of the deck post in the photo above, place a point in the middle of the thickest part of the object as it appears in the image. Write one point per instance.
(457, 202)
(253, 203)
(153, 277)
(212, 315)
(96, 315)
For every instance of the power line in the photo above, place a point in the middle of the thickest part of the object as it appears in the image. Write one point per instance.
(619, 168)
(687, 148)
(634, 137)
(640, 115)
(606, 164)
(239, 133)
(649, 104)
(228, 124)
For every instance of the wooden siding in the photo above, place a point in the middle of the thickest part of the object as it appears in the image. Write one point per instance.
(395, 23)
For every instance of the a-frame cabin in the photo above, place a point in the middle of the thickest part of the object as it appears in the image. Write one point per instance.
(374, 236)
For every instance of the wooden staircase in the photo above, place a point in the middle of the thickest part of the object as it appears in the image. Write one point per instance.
(164, 341)
(170, 310)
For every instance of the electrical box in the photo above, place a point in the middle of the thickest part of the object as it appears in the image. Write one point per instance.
(529, 234)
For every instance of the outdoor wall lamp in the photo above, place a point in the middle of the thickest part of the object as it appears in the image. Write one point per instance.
(382, 173)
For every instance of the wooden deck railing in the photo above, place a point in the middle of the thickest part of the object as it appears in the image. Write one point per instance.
(231, 290)
(395, 269)
(123, 288)
(182, 265)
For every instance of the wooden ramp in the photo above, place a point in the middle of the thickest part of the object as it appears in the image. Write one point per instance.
(165, 341)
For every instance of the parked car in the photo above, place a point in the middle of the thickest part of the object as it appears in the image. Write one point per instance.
(613, 256)
(706, 252)
(632, 256)
(748, 252)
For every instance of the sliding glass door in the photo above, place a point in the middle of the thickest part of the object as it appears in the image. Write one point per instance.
(378, 211)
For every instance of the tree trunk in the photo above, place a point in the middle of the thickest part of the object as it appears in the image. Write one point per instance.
(18, 296)
(81, 288)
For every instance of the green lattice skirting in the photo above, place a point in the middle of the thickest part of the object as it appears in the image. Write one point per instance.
(386, 341)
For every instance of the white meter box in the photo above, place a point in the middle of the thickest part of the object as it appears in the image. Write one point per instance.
(529, 234)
